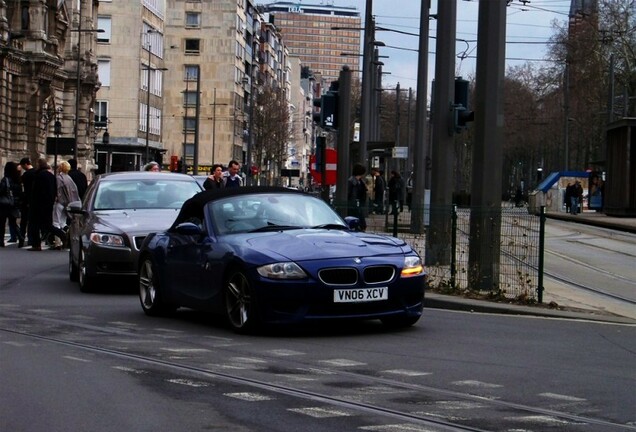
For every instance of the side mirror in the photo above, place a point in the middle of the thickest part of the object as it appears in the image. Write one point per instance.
(353, 223)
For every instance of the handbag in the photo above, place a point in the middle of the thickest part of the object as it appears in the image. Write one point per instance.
(7, 200)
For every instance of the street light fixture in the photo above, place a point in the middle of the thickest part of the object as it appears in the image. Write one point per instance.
(57, 130)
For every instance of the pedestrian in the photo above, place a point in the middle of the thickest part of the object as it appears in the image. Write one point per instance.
(27, 178)
(78, 177)
(396, 186)
(215, 180)
(409, 190)
(577, 195)
(378, 191)
(41, 204)
(152, 166)
(357, 195)
(232, 177)
(66, 193)
(568, 198)
(11, 196)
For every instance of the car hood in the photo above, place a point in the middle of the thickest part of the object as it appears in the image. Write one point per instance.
(299, 245)
(135, 221)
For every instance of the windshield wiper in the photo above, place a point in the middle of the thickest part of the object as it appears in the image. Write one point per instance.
(273, 227)
(331, 226)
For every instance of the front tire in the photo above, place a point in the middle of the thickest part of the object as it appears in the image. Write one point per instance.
(73, 270)
(240, 304)
(86, 282)
(150, 295)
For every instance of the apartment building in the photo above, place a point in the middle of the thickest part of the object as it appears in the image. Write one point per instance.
(308, 32)
(129, 105)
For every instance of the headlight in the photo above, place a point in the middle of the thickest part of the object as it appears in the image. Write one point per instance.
(283, 270)
(103, 239)
(412, 266)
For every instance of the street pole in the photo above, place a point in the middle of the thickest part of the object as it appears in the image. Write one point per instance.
(420, 150)
(148, 103)
(78, 83)
(367, 89)
(214, 127)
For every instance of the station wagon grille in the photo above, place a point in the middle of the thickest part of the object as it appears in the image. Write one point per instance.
(338, 276)
(378, 274)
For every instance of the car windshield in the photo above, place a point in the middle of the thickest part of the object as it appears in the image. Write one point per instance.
(271, 211)
(144, 194)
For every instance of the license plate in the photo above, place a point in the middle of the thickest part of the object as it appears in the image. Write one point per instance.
(360, 295)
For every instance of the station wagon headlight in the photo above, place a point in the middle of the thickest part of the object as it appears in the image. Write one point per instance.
(282, 270)
(412, 266)
(104, 239)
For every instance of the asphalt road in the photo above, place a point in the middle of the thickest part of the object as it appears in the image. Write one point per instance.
(72, 361)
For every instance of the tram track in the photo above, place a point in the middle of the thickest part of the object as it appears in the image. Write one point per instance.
(366, 407)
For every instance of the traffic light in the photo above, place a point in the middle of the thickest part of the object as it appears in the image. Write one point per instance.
(461, 113)
(327, 104)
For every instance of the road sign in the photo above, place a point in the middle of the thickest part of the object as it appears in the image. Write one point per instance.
(400, 152)
(331, 168)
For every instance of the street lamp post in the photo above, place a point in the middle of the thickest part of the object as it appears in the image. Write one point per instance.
(148, 70)
(57, 130)
(214, 105)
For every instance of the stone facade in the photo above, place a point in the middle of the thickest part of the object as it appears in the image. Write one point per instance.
(39, 79)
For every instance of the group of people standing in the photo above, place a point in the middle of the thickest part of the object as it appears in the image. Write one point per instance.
(219, 179)
(358, 193)
(573, 197)
(37, 197)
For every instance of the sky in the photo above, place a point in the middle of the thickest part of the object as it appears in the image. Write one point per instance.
(529, 25)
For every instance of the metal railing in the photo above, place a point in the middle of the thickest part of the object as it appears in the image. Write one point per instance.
(519, 247)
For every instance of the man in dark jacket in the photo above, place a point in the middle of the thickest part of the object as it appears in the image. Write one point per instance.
(357, 195)
(28, 176)
(41, 204)
(78, 177)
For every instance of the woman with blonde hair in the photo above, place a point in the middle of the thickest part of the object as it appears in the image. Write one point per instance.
(66, 193)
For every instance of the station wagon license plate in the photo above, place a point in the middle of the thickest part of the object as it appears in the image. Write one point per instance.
(360, 295)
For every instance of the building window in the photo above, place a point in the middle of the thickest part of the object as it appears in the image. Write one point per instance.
(189, 124)
(189, 98)
(192, 46)
(103, 23)
(193, 19)
(103, 71)
(101, 114)
(191, 72)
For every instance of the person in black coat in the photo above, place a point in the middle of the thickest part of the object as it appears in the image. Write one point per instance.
(28, 176)
(396, 187)
(357, 195)
(10, 186)
(41, 204)
(78, 177)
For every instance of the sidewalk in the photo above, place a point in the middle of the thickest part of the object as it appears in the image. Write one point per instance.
(559, 300)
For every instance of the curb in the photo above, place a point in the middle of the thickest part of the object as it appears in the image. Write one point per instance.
(441, 301)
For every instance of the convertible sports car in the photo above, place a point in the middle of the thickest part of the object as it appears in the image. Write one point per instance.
(118, 211)
(276, 255)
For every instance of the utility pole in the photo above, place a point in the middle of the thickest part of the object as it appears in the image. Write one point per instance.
(485, 215)
(420, 150)
(344, 138)
(439, 232)
(367, 81)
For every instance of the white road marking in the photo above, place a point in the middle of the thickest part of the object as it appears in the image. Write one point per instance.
(246, 360)
(342, 362)
(187, 382)
(131, 370)
(472, 383)
(16, 344)
(405, 372)
(285, 352)
(562, 397)
(122, 324)
(539, 419)
(397, 428)
(247, 396)
(317, 412)
(459, 405)
(186, 350)
(77, 359)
